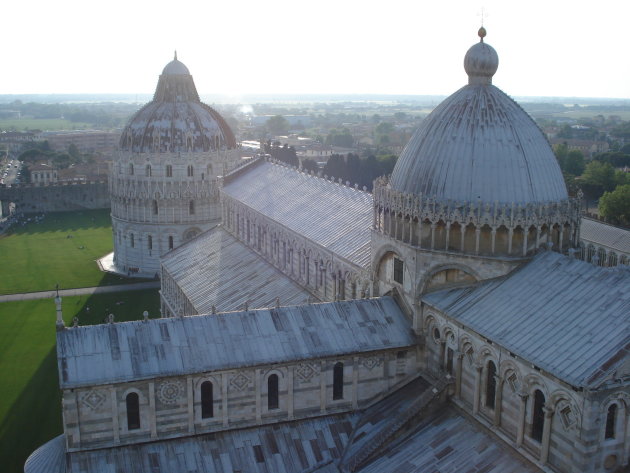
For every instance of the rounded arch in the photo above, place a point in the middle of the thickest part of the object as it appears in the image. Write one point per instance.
(451, 274)
(532, 382)
(450, 335)
(484, 354)
(380, 254)
(190, 233)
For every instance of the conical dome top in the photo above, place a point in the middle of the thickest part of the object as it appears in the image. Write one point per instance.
(176, 120)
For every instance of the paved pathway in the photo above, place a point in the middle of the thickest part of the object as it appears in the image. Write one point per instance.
(81, 291)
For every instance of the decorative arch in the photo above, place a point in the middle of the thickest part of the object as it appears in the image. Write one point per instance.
(191, 233)
(451, 274)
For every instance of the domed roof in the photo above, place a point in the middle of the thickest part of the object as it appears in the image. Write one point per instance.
(175, 67)
(176, 120)
(479, 145)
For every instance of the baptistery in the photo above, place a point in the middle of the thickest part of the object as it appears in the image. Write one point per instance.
(164, 179)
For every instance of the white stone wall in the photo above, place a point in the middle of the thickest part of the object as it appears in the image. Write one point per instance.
(318, 269)
(96, 416)
(574, 426)
(161, 200)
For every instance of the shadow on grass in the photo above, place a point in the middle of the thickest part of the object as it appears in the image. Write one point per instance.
(34, 419)
(70, 221)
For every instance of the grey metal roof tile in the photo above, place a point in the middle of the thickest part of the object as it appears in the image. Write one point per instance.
(600, 233)
(343, 215)
(85, 354)
(564, 315)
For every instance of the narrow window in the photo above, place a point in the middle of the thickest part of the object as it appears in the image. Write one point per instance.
(207, 401)
(272, 392)
(150, 242)
(436, 334)
(170, 243)
(191, 207)
(611, 417)
(449, 360)
(148, 170)
(154, 206)
(538, 416)
(133, 411)
(131, 169)
(398, 270)
(169, 170)
(491, 384)
(132, 240)
(338, 381)
(190, 171)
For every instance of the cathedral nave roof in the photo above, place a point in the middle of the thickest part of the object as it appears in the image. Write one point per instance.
(216, 270)
(332, 215)
(132, 351)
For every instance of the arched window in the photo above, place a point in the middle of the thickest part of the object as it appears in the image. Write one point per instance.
(190, 171)
(148, 170)
(150, 242)
(538, 415)
(491, 384)
(154, 207)
(170, 243)
(436, 334)
(449, 360)
(132, 240)
(191, 207)
(272, 392)
(611, 418)
(207, 400)
(133, 411)
(169, 170)
(338, 381)
(131, 169)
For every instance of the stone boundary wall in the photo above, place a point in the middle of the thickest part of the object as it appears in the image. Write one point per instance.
(56, 198)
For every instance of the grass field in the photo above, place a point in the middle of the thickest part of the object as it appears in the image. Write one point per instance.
(30, 402)
(44, 124)
(62, 248)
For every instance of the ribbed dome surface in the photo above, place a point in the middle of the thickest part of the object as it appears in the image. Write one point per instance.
(480, 146)
(176, 120)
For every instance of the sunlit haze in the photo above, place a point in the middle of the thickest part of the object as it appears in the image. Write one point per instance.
(546, 48)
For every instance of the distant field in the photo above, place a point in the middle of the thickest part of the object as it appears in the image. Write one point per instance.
(62, 248)
(45, 124)
(30, 402)
(577, 114)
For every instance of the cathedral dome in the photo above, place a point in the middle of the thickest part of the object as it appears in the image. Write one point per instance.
(176, 120)
(480, 146)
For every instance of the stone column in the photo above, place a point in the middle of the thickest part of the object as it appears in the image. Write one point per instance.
(448, 235)
(477, 234)
(493, 234)
(290, 392)
(478, 370)
(459, 364)
(258, 397)
(544, 448)
(520, 432)
(498, 398)
(191, 410)
(432, 235)
(510, 235)
(355, 383)
(115, 424)
(224, 398)
(462, 230)
(152, 420)
(525, 234)
(322, 387)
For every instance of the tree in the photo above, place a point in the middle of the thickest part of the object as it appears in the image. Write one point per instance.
(598, 178)
(615, 205)
(574, 163)
(309, 165)
(277, 125)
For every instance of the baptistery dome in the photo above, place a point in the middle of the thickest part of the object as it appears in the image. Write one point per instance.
(176, 120)
(479, 145)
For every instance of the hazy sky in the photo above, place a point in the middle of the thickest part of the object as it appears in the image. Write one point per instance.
(546, 48)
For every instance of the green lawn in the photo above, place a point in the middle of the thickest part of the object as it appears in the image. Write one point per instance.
(62, 248)
(46, 124)
(30, 403)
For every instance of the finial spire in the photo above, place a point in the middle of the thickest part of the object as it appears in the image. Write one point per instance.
(175, 55)
(482, 33)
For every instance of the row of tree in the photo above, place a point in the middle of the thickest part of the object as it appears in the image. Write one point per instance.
(362, 171)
